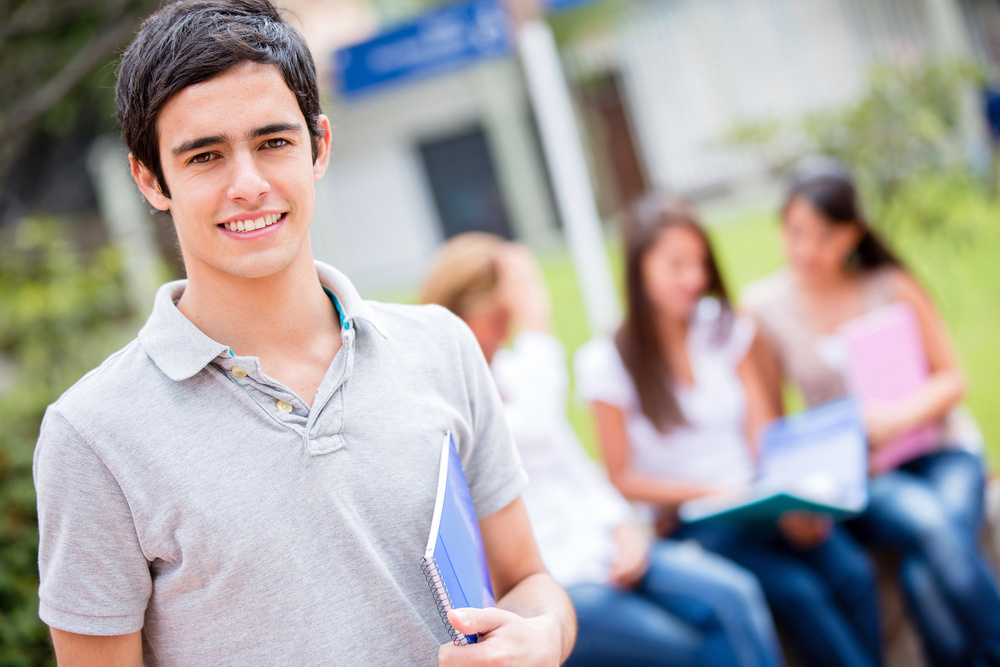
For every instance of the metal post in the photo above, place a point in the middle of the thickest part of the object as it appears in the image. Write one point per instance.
(564, 154)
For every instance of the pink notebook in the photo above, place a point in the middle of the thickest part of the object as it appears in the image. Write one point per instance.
(886, 362)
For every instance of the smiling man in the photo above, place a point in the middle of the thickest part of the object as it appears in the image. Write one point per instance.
(251, 480)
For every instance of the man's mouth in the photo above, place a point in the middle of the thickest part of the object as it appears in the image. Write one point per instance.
(254, 224)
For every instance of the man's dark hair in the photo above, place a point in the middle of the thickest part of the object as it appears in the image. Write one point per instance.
(191, 41)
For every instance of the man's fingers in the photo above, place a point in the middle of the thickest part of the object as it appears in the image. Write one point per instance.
(472, 621)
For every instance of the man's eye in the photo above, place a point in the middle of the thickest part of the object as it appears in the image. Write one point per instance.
(202, 158)
(275, 143)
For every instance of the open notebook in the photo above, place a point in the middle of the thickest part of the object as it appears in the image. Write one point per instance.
(454, 562)
(812, 461)
(887, 361)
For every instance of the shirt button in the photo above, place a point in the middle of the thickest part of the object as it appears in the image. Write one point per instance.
(284, 408)
(239, 372)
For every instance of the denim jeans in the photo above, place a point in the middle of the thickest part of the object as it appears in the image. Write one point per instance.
(930, 512)
(691, 608)
(825, 597)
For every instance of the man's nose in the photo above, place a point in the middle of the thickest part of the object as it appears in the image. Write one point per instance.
(247, 181)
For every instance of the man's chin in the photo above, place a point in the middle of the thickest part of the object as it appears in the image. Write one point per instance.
(244, 268)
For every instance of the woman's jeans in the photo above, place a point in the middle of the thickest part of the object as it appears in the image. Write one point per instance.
(825, 597)
(691, 608)
(930, 511)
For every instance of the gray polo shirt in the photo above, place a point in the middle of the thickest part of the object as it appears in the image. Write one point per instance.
(184, 492)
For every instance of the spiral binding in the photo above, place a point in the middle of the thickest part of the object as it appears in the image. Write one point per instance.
(441, 597)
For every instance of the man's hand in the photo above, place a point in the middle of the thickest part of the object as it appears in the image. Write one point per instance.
(504, 639)
(632, 560)
(533, 622)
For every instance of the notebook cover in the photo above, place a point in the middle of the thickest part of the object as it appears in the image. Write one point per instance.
(887, 361)
(812, 461)
(763, 508)
(455, 544)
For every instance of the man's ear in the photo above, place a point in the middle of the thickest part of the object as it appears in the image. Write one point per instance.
(323, 148)
(148, 185)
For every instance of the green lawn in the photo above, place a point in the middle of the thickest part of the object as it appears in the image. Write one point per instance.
(963, 278)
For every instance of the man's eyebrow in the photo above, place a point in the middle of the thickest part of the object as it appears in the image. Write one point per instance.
(274, 128)
(202, 142)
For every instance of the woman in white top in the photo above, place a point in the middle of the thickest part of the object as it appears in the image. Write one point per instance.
(638, 603)
(675, 395)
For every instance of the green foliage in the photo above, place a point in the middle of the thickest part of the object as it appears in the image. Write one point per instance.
(902, 139)
(57, 68)
(59, 316)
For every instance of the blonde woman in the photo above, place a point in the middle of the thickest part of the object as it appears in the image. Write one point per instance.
(638, 602)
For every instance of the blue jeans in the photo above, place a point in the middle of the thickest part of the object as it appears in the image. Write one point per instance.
(930, 511)
(691, 608)
(825, 596)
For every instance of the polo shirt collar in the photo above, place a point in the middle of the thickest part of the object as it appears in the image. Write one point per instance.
(352, 306)
(181, 350)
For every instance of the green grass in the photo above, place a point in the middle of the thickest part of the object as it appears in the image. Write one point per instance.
(963, 277)
(569, 324)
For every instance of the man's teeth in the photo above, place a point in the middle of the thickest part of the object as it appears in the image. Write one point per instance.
(251, 225)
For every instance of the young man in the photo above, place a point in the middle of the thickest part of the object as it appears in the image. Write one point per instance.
(251, 481)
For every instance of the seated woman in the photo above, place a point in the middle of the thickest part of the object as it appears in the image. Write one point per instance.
(929, 509)
(638, 603)
(675, 395)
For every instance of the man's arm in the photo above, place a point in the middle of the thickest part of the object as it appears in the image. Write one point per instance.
(533, 624)
(73, 650)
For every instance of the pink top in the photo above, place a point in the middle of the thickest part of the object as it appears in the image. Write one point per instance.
(809, 360)
(816, 363)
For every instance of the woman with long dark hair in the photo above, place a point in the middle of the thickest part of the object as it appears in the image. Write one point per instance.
(676, 396)
(929, 509)
(639, 602)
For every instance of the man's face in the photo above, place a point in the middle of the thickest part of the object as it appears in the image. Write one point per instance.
(237, 158)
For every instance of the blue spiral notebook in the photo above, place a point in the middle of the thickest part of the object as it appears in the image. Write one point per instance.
(454, 562)
(814, 461)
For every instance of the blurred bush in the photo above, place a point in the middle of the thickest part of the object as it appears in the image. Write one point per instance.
(60, 315)
(902, 138)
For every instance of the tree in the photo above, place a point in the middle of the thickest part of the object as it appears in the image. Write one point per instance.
(56, 61)
(902, 138)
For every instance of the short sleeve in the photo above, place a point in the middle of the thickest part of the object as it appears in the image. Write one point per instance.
(601, 375)
(492, 465)
(94, 578)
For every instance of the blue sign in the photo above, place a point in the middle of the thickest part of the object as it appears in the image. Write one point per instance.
(445, 39)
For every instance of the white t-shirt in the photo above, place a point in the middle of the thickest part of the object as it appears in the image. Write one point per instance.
(712, 447)
(572, 507)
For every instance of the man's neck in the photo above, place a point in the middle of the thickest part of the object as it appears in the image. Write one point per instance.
(254, 316)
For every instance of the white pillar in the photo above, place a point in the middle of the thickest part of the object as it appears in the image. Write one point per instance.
(574, 193)
(514, 150)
